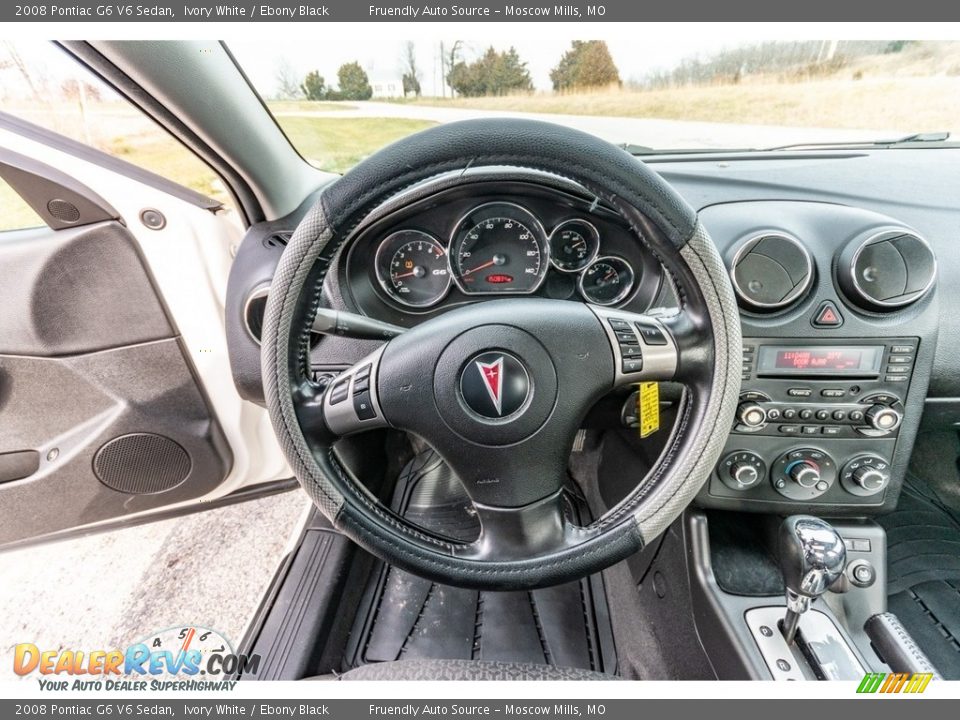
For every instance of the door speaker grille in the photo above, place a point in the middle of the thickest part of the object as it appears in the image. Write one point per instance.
(141, 463)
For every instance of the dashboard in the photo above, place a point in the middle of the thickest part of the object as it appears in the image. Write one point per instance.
(848, 340)
(495, 239)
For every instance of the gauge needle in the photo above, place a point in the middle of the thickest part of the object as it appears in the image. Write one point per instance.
(412, 272)
(481, 267)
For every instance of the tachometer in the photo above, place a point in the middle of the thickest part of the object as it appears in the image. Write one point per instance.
(607, 281)
(412, 268)
(573, 245)
(499, 248)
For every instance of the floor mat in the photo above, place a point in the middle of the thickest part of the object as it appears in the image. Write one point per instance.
(923, 565)
(406, 617)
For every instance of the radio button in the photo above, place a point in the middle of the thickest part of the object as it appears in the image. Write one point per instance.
(895, 378)
(839, 415)
(789, 429)
(806, 414)
(773, 414)
(901, 349)
(833, 392)
(831, 429)
(810, 429)
(898, 370)
(789, 414)
(856, 415)
(799, 392)
(900, 359)
(823, 414)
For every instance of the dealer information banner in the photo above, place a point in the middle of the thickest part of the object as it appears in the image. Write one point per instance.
(477, 11)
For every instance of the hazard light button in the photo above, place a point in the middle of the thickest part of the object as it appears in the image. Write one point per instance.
(827, 315)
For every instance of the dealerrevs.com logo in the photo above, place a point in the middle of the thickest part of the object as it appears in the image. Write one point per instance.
(188, 657)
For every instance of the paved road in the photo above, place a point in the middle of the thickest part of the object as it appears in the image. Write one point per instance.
(641, 131)
(106, 591)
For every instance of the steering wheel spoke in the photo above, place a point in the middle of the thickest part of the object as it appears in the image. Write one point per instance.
(642, 346)
(519, 533)
(351, 403)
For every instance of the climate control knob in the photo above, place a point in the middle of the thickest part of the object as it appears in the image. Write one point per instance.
(751, 415)
(804, 473)
(865, 475)
(745, 474)
(870, 479)
(742, 470)
(883, 417)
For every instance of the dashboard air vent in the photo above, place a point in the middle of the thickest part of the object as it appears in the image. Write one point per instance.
(887, 270)
(771, 271)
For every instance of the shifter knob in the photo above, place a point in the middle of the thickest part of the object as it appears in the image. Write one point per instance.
(812, 557)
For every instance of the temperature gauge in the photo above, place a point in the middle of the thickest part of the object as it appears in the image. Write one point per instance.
(607, 281)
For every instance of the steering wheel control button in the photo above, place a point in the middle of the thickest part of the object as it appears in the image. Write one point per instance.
(495, 385)
(827, 316)
(651, 334)
(363, 405)
(619, 325)
(340, 391)
(631, 365)
(803, 474)
(631, 351)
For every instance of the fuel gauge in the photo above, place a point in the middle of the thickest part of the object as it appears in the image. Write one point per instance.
(607, 281)
(573, 245)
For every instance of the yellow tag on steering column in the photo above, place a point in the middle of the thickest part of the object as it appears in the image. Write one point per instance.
(648, 408)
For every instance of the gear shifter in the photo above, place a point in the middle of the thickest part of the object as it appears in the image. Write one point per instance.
(812, 557)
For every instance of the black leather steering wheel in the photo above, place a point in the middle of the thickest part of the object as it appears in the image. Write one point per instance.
(499, 388)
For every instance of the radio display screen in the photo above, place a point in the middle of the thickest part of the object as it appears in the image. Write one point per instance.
(819, 360)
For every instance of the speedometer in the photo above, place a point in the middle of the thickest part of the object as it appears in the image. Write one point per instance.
(499, 248)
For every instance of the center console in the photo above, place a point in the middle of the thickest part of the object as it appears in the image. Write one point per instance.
(818, 420)
(839, 320)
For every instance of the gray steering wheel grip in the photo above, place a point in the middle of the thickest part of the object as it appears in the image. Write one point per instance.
(655, 211)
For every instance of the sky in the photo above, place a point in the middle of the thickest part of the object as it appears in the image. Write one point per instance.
(635, 54)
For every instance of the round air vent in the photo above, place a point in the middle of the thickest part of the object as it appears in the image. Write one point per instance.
(771, 271)
(887, 270)
(253, 312)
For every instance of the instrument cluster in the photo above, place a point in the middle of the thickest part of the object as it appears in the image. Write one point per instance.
(500, 248)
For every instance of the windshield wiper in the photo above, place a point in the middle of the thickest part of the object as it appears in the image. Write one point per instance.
(646, 150)
(915, 139)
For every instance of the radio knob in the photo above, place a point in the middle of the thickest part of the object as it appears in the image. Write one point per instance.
(751, 414)
(883, 417)
(744, 473)
(804, 473)
(869, 478)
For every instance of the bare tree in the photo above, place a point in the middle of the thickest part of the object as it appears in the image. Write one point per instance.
(411, 71)
(288, 82)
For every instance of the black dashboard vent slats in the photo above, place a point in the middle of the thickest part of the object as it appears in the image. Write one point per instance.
(887, 270)
(771, 271)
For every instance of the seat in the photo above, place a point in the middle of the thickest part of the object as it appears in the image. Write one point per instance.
(468, 670)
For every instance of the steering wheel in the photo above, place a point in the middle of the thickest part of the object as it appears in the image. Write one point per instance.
(499, 388)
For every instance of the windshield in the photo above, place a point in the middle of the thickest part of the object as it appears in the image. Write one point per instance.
(339, 100)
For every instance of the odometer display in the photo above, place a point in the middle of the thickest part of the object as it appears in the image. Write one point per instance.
(412, 268)
(499, 248)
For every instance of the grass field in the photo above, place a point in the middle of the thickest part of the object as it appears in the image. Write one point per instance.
(904, 104)
(333, 144)
(337, 144)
